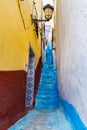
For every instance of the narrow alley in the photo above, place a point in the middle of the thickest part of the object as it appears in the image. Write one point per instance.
(43, 65)
(48, 113)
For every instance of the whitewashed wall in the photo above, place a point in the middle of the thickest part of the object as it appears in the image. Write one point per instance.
(71, 40)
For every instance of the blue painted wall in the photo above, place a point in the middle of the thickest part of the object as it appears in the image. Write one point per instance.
(71, 44)
(74, 116)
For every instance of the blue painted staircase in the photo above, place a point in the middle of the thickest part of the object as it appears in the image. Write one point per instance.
(41, 118)
(48, 97)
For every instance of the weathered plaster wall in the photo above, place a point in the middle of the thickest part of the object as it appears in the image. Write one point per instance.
(71, 43)
(16, 33)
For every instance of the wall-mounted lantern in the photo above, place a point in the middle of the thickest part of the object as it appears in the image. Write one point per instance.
(48, 11)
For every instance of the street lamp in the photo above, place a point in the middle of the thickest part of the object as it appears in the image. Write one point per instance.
(48, 11)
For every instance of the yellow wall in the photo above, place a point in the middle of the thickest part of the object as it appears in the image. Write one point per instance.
(14, 39)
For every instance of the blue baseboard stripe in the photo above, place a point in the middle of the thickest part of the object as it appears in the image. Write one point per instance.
(74, 116)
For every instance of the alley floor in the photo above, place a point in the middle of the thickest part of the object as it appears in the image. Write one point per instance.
(44, 120)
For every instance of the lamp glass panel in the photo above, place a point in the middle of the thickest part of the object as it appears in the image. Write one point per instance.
(48, 13)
